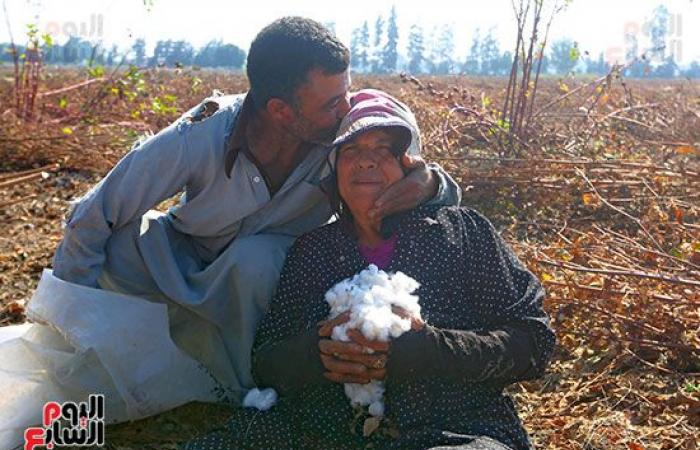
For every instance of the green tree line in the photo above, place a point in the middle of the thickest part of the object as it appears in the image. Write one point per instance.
(374, 46)
(170, 53)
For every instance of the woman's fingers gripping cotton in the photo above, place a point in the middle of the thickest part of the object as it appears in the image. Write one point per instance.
(377, 346)
(346, 378)
(326, 326)
(417, 323)
(374, 361)
(330, 347)
(339, 366)
(376, 374)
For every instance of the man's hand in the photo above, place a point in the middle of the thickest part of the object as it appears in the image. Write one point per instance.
(358, 361)
(418, 186)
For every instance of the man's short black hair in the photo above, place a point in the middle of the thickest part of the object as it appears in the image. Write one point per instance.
(283, 54)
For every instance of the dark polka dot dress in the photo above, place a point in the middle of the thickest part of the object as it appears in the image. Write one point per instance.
(444, 386)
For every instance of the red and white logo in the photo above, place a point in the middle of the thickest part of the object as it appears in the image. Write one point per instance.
(77, 424)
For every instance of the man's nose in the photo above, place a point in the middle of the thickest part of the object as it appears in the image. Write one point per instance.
(344, 106)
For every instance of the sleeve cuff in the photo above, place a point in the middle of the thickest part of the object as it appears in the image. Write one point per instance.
(448, 193)
(496, 357)
(289, 365)
(412, 354)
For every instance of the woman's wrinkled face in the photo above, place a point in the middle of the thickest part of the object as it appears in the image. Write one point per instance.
(366, 166)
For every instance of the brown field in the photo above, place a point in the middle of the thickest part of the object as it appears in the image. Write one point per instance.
(600, 200)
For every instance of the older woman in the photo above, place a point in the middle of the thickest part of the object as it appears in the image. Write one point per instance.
(482, 326)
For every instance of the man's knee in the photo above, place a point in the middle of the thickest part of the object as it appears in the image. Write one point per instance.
(259, 258)
(124, 269)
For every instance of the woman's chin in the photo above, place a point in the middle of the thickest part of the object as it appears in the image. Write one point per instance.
(370, 191)
(361, 199)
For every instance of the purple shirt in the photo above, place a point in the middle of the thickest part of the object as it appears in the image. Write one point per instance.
(380, 255)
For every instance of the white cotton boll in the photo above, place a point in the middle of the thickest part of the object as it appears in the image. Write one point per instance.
(399, 327)
(364, 394)
(357, 394)
(377, 323)
(339, 333)
(402, 281)
(261, 399)
(369, 296)
(377, 408)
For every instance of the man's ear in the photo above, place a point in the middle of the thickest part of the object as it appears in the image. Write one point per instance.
(280, 110)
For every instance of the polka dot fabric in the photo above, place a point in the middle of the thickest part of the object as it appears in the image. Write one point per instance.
(471, 283)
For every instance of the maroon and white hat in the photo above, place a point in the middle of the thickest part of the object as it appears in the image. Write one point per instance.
(371, 109)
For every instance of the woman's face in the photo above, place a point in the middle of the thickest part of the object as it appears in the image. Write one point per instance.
(366, 167)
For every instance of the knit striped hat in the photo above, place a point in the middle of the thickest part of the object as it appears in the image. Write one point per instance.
(371, 109)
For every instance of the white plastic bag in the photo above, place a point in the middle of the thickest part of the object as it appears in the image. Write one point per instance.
(84, 341)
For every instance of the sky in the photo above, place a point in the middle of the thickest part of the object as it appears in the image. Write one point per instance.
(597, 25)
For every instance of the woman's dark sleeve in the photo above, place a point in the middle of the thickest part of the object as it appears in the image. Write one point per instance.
(515, 340)
(285, 352)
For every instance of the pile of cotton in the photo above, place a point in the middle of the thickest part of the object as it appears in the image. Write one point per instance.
(369, 297)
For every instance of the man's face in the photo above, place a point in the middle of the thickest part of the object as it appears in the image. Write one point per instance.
(322, 104)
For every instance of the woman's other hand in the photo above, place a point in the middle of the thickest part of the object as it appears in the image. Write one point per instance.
(417, 323)
(358, 361)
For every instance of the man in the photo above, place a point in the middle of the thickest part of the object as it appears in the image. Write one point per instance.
(250, 167)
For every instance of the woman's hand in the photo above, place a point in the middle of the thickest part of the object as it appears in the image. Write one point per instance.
(417, 323)
(358, 361)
